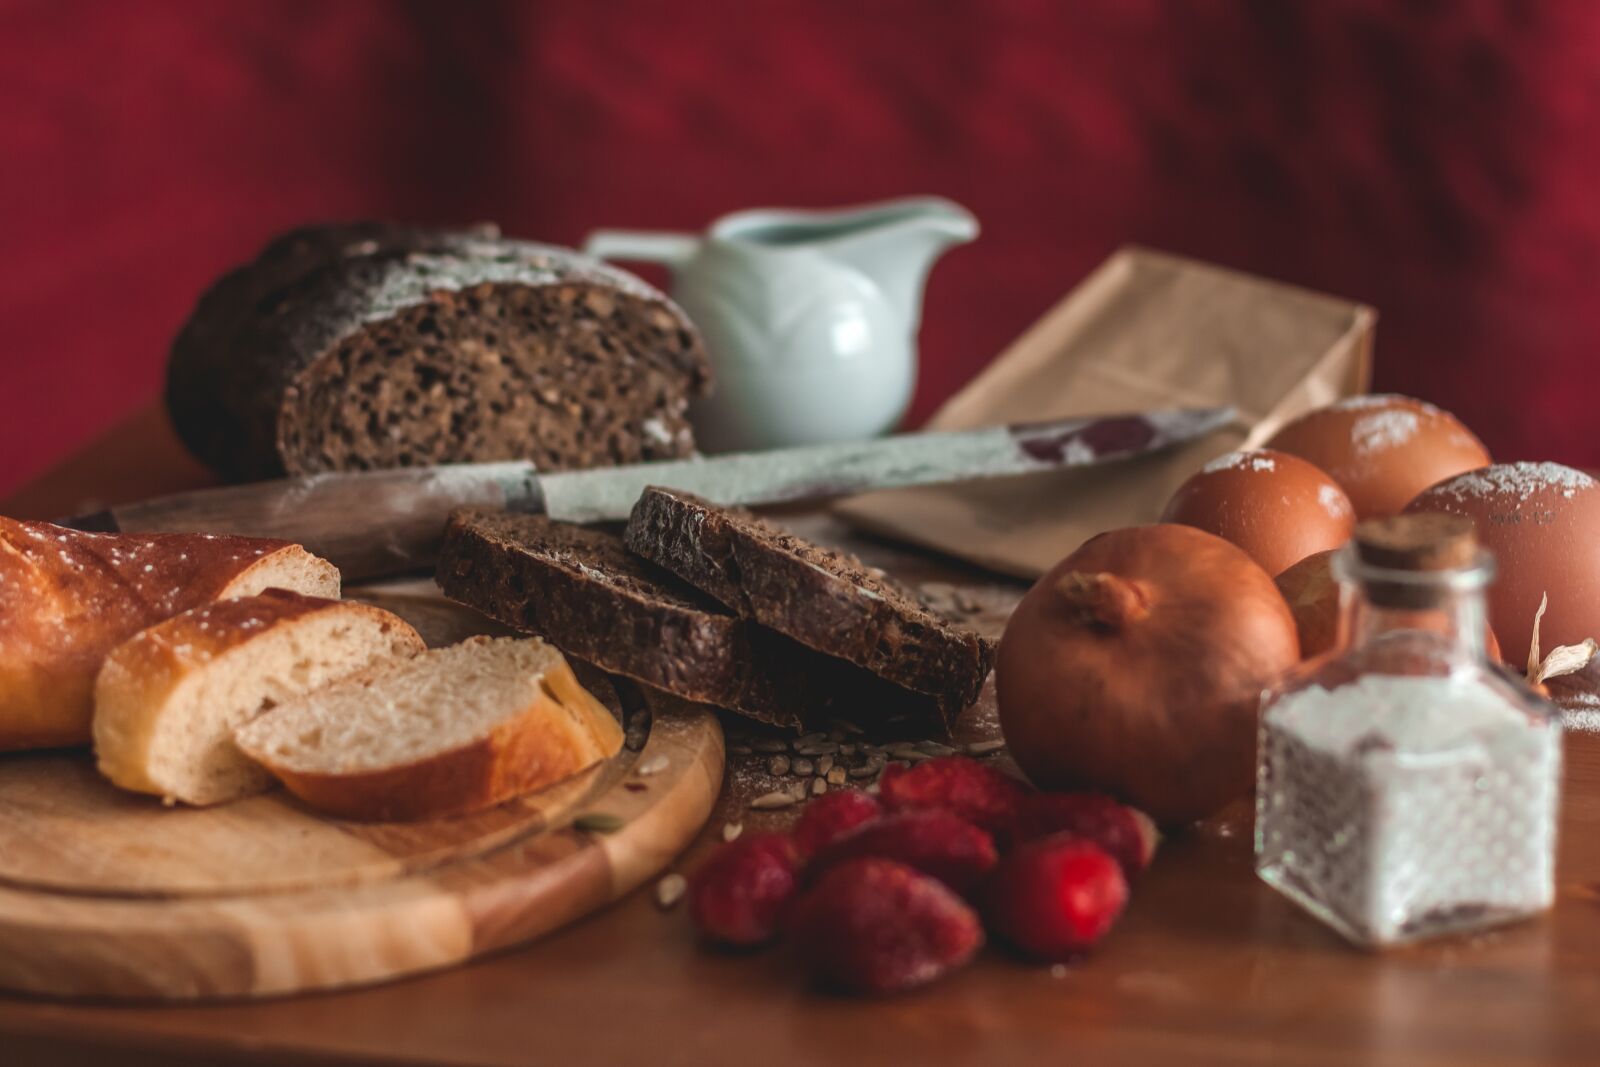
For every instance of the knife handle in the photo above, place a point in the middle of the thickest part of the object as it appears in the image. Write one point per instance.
(367, 524)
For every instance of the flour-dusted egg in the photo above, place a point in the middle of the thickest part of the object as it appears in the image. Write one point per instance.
(1542, 522)
(1383, 449)
(1277, 507)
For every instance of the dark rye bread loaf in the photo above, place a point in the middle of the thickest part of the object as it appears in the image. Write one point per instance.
(824, 599)
(367, 346)
(582, 591)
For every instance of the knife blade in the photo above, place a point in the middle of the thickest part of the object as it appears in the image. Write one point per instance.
(370, 523)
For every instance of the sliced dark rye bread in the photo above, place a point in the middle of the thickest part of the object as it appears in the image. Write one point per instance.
(824, 599)
(580, 589)
(366, 346)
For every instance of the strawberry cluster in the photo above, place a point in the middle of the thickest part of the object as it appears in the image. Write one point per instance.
(880, 894)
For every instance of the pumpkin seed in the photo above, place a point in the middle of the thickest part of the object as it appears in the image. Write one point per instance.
(670, 890)
(599, 822)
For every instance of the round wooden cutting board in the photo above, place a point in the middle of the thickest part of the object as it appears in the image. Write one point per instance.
(108, 894)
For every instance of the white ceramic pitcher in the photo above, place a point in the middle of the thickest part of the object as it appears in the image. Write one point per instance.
(810, 317)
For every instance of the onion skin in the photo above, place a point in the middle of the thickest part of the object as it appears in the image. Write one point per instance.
(1136, 667)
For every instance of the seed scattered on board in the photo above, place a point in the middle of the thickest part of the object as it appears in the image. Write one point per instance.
(670, 890)
(732, 830)
(599, 822)
(773, 800)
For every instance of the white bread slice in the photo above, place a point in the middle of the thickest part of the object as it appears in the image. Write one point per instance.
(68, 597)
(453, 730)
(167, 700)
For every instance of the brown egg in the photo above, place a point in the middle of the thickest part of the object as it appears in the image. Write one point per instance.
(1278, 508)
(1383, 449)
(1313, 596)
(1542, 522)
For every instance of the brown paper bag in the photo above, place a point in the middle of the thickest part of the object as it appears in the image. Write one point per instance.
(1145, 330)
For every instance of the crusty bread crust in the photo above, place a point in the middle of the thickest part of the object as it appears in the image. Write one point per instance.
(142, 676)
(68, 597)
(561, 732)
(823, 598)
(580, 589)
(537, 352)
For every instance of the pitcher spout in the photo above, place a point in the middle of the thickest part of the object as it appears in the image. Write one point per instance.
(898, 243)
(893, 243)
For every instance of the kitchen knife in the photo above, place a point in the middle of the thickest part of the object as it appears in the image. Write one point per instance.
(371, 523)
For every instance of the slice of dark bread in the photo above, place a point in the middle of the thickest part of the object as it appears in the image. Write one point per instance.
(580, 589)
(365, 346)
(824, 599)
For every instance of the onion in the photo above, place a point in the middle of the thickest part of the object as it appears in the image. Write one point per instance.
(1136, 667)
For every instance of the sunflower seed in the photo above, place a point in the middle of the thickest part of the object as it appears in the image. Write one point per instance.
(846, 726)
(934, 748)
(835, 776)
(670, 890)
(803, 767)
(778, 766)
(740, 750)
(985, 748)
(809, 739)
(817, 748)
(818, 787)
(847, 749)
(917, 756)
(866, 770)
(873, 750)
(731, 830)
(653, 765)
(769, 744)
(768, 801)
(599, 822)
(904, 750)
(824, 765)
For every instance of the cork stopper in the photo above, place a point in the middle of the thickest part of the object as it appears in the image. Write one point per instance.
(1426, 541)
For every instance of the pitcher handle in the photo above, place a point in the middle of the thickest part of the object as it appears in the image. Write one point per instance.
(671, 249)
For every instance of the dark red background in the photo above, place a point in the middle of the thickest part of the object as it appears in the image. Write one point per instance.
(1437, 159)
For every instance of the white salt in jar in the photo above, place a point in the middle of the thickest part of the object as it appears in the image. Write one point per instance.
(1406, 787)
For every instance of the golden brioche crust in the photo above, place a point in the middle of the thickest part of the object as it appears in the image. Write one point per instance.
(68, 597)
(141, 677)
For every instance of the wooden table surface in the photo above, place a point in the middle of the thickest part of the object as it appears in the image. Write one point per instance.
(1207, 966)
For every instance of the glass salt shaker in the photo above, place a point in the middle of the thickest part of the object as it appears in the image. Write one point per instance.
(1406, 787)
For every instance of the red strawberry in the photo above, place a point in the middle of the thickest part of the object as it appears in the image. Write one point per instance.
(876, 926)
(1128, 834)
(934, 842)
(976, 792)
(1054, 897)
(738, 894)
(830, 817)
